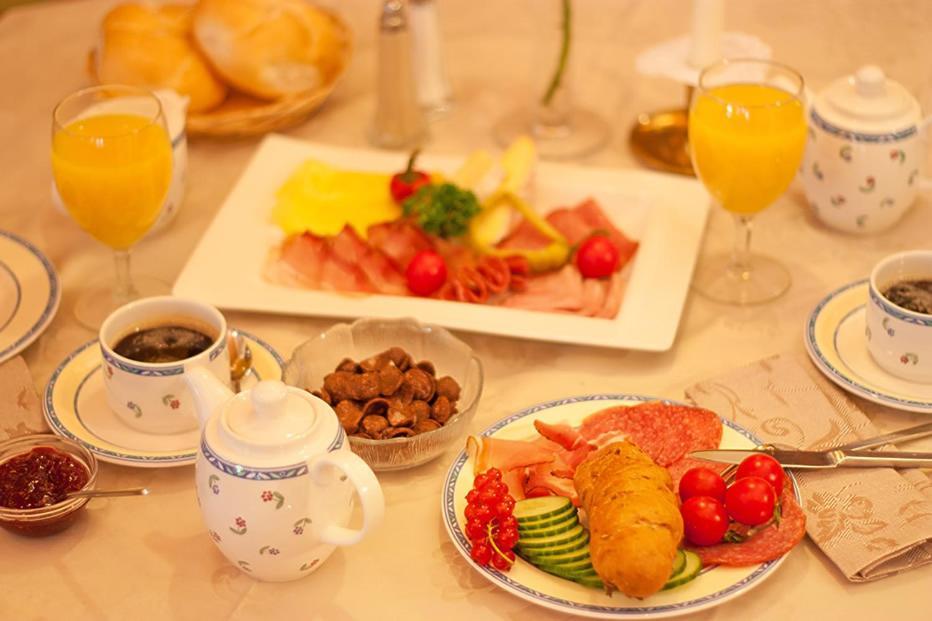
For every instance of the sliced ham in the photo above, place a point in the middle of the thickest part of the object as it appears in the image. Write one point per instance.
(613, 295)
(504, 454)
(377, 267)
(543, 481)
(305, 255)
(555, 291)
(561, 433)
(399, 240)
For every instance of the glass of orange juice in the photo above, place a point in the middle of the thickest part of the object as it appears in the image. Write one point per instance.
(112, 164)
(747, 133)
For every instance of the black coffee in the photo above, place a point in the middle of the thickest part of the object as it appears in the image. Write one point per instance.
(163, 344)
(914, 295)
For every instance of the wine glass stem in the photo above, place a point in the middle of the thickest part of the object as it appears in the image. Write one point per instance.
(124, 291)
(741, 254)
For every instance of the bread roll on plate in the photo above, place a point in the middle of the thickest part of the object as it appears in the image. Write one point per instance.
(269, 48)
(635, 525)
(148, 45)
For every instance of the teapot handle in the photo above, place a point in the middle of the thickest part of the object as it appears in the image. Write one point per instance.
(367, 487)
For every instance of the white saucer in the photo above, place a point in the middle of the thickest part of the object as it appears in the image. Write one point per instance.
(836, 343)
(29, 294)
(76, 408)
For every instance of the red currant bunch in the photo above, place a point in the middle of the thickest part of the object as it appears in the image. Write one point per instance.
(490, 524)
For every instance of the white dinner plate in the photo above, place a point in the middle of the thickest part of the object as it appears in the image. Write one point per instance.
(665, 213)
(836, 342)
(711, 588)
(29, 294)
(76, 408)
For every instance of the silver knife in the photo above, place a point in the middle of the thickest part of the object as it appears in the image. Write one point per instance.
(836, 458)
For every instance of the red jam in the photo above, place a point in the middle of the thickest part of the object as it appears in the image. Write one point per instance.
(40, 478)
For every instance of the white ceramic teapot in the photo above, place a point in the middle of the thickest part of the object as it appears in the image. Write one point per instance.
(275, 477)
(864, 159)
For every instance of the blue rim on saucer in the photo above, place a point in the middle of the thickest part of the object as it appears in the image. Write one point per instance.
(11, 344)
(505, 581)
(825, 352)
(80, 370)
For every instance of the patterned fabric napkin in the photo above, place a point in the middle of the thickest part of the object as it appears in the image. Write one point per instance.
(871, 523)
(20, 408)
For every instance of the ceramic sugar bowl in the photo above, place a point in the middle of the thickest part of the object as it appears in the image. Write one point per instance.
(864, 159)
(275, 478)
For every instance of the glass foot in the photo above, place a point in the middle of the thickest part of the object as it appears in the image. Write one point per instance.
(584, 134)
(99, 300)
(765, 280)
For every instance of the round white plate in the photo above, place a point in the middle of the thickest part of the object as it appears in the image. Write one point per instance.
(837, 345)
(711, 588)
(76, 408)
(29, 294)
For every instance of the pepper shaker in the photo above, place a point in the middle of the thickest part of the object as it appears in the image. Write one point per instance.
(433, 88)
(399, 120)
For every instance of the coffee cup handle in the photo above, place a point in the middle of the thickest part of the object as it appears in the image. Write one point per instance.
(367, 487)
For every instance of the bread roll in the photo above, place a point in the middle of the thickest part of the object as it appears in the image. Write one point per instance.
(268, 48)
(149, 45)
(635, 525)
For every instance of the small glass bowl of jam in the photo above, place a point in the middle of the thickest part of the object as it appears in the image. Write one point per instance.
(36, 474)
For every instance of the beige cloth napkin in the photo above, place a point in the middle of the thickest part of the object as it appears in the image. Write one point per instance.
(20, 408)
(871, 523)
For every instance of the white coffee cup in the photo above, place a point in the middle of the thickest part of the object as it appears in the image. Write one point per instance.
(153, 397)
(900, 340)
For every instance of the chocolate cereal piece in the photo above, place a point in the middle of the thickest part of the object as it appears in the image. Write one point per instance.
(420, 410)
(390, 379)
(403, 417)
(442, 410)
(323, 395)
(398, 432)
(340, 385)
(449, 388)
(349, 414)
(422, 384)
(398, 356)
(423, 426)
(366, 386)
(374, 425)
(427, 366)
(349, 365)
(377, 407)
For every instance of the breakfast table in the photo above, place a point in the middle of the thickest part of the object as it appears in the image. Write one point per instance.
(150, 558)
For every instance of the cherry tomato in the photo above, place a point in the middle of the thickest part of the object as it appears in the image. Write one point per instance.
(765, 467)
(408, 182)
(597, 257)
(704, 520)
(750, 501)
(702, 482)
(426, 273)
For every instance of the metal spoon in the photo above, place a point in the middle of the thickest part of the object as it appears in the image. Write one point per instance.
(240, 358)
(105, 493)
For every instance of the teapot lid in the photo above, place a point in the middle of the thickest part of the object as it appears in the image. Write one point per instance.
(273, 415)
(868, 101)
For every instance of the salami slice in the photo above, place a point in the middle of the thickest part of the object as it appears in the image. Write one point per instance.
(665, 432)
(766, 545)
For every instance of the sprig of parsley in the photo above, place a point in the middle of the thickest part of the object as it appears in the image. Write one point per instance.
(442, 209)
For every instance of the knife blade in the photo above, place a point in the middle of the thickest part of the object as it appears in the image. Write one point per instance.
(835, 458)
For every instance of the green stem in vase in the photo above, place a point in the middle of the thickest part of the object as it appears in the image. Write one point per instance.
(564, 54)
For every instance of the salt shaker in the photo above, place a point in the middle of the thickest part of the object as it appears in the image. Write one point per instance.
(399, 120)
(433, 88)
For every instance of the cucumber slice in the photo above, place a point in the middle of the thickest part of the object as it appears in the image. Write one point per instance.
(579, 566)
(584, 578)
(544, 557)
(541, 508)
(554, 529)
(679, 561)
(690, 570)
(569, 514)
(571, 546)
(564, 538)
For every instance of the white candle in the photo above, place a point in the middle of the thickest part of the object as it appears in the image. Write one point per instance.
(708, 23)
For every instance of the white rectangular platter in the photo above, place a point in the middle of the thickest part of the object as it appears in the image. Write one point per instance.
(665, 213)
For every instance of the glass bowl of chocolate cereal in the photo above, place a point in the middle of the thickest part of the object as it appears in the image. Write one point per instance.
(404, 391)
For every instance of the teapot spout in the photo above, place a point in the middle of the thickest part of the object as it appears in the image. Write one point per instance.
(208, 391)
